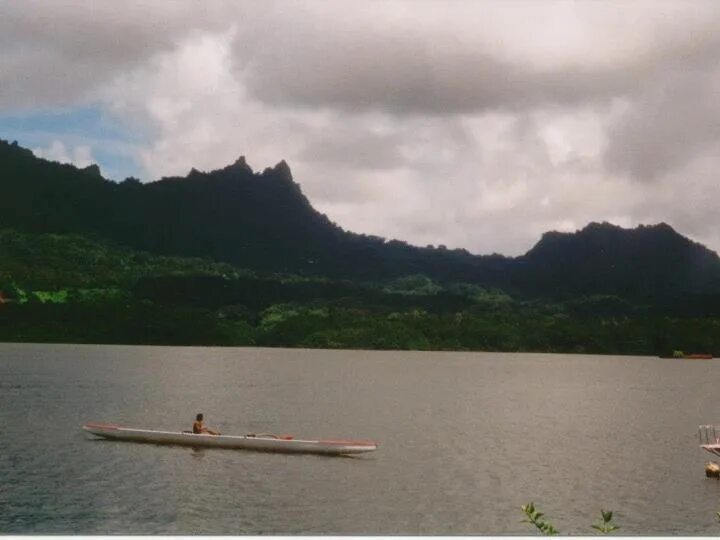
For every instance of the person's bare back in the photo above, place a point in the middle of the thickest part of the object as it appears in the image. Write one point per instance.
(198, 427)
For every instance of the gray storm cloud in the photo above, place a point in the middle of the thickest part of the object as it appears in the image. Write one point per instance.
(666, 68)
(59, 53)
(668, 125)
(432, 65)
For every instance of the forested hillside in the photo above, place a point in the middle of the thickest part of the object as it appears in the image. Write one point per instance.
(263, 222)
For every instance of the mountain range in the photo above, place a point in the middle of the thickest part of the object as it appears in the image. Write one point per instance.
(262, 221)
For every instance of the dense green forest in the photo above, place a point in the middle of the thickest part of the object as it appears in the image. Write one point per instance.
(68, 288)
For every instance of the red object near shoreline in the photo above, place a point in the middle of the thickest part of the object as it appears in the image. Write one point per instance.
(698, 356)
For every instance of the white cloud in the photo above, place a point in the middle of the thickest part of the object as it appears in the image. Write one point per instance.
(80, 156)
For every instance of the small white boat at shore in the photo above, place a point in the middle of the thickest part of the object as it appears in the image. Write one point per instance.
(264, 442)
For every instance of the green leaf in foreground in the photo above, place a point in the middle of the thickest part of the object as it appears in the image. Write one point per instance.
(536, 518)
(607, 526)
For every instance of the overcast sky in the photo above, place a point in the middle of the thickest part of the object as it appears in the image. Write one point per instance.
(470, 124)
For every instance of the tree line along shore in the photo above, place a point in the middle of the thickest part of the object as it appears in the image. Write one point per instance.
(70, 288)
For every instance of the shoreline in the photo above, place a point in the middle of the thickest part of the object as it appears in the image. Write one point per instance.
(329, 350)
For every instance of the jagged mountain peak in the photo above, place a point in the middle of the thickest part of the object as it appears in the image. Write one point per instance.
(281, 171)
(263, 221)
(241, 165)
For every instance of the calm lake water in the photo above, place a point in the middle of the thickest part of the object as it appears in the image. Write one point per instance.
(465, 440)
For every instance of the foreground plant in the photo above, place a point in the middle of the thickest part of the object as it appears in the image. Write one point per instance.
(607, 526)
(536, 518)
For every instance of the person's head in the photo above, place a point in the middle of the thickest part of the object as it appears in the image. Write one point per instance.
(199, 417)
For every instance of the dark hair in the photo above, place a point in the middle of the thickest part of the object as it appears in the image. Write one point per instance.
(199, 416)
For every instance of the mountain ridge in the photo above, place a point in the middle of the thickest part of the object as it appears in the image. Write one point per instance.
(263, 221)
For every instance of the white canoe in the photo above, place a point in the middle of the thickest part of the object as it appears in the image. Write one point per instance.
(261, 442)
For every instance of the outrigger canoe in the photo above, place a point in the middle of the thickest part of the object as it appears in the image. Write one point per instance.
(262, 442)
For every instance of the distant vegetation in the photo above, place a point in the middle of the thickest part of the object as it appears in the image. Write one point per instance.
(234, 257)
(71, 288)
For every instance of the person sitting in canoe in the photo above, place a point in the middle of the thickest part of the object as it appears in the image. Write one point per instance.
(198, 427)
